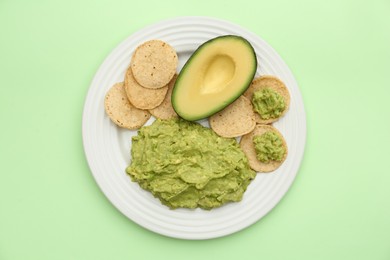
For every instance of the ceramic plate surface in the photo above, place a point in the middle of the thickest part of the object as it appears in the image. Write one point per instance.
(107, 147)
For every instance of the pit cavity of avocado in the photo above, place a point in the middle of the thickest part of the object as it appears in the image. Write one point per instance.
(218, 74)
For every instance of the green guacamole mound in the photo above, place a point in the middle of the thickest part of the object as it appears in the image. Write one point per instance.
(269, 147)
(186, 165)
(268, 103)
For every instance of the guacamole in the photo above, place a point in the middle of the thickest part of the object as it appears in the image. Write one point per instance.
(268, 103)
(186, 165)
(269, 147)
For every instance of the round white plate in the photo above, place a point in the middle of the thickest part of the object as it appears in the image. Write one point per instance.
(107, 147)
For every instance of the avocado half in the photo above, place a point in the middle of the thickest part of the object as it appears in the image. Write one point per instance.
(215, 75)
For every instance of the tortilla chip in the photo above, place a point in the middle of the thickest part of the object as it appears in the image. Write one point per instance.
(235, 120)
(154, 63)
(268, 81)
(140, 97)
(165, 109)
(121, 111)
(246, 144)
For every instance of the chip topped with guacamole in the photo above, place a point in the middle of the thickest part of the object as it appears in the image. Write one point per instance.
(269, 147)
(187, 165)
(265, 148)
(268, 103)
(270, 98)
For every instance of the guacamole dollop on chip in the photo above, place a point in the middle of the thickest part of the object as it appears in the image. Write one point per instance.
(268, 103)
(269, 147)
(186, 165)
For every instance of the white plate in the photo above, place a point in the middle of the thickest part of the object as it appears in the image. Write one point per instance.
(107, 147)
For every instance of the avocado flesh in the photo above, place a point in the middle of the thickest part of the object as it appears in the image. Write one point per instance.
(216, 74)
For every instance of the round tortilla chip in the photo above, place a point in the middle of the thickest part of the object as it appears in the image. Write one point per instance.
(235, 120)
(268, 81)
(246, 144)
(140, 97)
(165, 109)
(154, 63)
(121, 111)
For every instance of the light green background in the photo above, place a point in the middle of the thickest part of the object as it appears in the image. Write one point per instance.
(339, 205)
